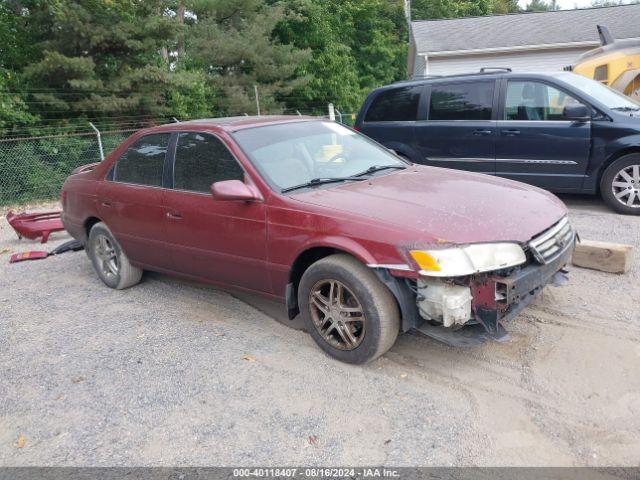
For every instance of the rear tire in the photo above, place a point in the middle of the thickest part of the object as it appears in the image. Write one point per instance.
(347, 310)
(620, 185)
(109, 261)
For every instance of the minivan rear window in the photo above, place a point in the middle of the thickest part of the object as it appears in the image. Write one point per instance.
(462, 101)
(395, 105)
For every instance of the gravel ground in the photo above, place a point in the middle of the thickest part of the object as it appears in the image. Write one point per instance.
(174, 373)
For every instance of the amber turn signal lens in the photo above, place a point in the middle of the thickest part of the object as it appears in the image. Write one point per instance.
(425, 261)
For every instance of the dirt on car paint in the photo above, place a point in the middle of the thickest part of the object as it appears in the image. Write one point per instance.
(173, 373)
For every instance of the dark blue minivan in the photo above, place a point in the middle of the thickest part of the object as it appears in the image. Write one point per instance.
(562, 132)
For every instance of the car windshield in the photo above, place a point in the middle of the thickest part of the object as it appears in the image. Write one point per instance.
(605, 95)
(290, 155)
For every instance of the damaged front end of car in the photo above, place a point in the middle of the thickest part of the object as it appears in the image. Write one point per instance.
(462, 295)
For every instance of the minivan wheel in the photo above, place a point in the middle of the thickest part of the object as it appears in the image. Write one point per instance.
(620, 184)
(109, 261)
(349, 313)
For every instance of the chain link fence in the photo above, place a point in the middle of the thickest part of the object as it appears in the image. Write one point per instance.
(34, 168)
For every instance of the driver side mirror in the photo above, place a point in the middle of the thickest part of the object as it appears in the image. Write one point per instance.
(233, 190)
(577, 113)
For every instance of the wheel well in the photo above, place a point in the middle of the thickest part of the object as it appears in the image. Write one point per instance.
(300, 265)
(89, 223)
(613, 158)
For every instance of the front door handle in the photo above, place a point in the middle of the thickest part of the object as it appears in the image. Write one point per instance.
(510, 132)
(482, 131)
(174, 215)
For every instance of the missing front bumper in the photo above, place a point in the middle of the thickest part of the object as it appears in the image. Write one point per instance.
(498, 299)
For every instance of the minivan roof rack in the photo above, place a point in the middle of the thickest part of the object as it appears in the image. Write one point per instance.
(483, 70)
(500, 69)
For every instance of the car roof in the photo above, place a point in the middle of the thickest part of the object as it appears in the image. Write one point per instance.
(232, 124)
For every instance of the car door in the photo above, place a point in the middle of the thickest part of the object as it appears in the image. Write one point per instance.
(535, 143)
(459, 129)
(130, 201)
(221, 241)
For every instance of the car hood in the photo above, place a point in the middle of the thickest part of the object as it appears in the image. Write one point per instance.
(445, 206)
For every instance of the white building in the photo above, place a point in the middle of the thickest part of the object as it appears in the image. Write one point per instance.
(545, 41)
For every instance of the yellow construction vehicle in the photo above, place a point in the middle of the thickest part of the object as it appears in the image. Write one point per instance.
(615, 63)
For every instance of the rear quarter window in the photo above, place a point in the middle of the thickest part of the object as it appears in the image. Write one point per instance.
(398, 104)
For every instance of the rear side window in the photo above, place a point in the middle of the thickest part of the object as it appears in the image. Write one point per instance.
(201, 160)
(462, 101)
(143, 162)
(399, 104)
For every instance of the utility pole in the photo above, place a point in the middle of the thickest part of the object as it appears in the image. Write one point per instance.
(255, 89)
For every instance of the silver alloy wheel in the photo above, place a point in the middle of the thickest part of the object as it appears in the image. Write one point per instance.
(626, 186)
(337, 314)
(107, 256)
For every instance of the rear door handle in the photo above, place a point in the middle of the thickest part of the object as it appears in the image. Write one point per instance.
(174, 215)
(510, 132)
(482, 131)
(106, 204)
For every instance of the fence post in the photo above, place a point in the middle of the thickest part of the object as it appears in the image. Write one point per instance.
(99, 140)
(332, 113)
(255, 89)
(339, 115)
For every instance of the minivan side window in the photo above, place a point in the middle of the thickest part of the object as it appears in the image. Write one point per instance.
(395, 105)
(535, 101)
(462, 101)
(143, 162)
(202, 159)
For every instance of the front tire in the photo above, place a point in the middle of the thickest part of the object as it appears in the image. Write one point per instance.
(109, 261)
(349, 313)
(620, 185)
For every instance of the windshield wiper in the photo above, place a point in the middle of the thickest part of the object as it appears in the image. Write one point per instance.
(626, 109)
(320, 181)
(377, 168)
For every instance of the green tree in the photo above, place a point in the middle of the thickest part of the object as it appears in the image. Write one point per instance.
(355, 45)
(502, 7)
(541, 6)
(233, 43)
(103, 61)
(434, 9)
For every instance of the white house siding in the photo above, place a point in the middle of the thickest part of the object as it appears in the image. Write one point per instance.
(528, 60)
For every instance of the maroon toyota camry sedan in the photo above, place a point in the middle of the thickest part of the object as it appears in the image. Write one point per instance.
(361, 243)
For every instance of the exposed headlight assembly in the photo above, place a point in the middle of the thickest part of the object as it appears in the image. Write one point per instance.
(468, 259)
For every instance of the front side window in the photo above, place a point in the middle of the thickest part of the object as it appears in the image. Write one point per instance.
(143, 162)
(396, 105)
(202, 159)
(535, 101)
(462, 101)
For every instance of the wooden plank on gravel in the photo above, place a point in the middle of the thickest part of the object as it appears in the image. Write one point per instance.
(604, 256)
